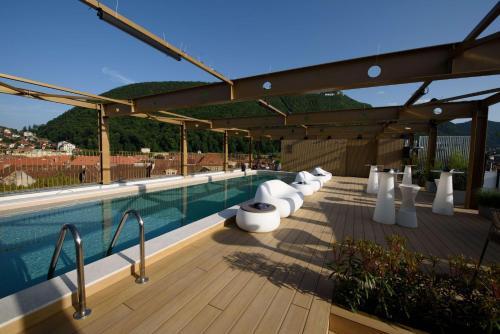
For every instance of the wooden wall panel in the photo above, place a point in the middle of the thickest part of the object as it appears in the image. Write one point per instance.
(342, 157)
(300, 155)
(359, 153)
(390, 153)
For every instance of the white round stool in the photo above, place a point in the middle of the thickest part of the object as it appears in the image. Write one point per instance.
(372, 186)
(407, 175)
(443, 201)
(304, 188)
(385, 209)
(258, 217)
(407, 214)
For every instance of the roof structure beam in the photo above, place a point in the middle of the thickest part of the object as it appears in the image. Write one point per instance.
(110, 16)
(493, 99)
(464, 96)
(484, 23)
(424, 64)
(64, 89)
(272, 108)
(68, 100)
(352, 116)
(481, 26)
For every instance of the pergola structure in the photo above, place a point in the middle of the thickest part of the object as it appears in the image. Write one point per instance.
(468, 58)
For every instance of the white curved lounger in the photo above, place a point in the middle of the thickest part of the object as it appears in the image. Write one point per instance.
(324, 174)
(309, 179)
(284, 197)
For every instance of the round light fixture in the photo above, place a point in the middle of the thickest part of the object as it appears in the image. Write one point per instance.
(437, 111)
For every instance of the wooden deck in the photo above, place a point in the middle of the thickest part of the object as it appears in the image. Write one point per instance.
(235, 282)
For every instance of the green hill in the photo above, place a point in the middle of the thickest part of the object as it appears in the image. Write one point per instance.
(79, 125)
(463, 129)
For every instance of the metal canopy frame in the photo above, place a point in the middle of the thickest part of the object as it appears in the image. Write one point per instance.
(468, 58)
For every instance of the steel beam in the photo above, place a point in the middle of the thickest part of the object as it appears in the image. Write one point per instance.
(425, 112)
(464, 96)
(104, 147)
(184, 150)
(98, 98)
(493, 99)
(475, 171)
(225, 145)
(484, 23)
(110, 16)
(424, 64)
(272, 108)
(431, 147)
(68, 100)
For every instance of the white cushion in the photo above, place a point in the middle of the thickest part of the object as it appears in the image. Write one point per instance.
(305, 189)
(308, 178)
(318, 170)
(284, 197)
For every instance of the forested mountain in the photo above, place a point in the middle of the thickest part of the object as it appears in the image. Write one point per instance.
(463, 129)
(79, 125)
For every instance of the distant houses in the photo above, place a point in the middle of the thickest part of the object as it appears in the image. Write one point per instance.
(65, 146)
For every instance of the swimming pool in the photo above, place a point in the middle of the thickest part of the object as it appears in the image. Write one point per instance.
(27, 240)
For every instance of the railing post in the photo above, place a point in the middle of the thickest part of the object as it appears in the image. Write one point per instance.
(104, 147)
(82, 311)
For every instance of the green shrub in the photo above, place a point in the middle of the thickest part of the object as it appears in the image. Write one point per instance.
(489, 198)
(409, 288)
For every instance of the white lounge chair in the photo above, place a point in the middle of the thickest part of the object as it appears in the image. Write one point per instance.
(284, 197)
(322, 174)
(309, 179)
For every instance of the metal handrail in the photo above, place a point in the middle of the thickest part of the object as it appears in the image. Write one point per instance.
(82, 310)
(142, 271)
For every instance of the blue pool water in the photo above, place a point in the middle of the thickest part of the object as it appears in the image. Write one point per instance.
(27, 240)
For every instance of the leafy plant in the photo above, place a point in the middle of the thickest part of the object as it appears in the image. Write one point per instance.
(489, 198)
(407, 287)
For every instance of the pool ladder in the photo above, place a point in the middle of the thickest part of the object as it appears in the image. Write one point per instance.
(142, 265)
(82, 311)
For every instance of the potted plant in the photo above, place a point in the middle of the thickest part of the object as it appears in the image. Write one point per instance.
(399, 286)
(486, 199)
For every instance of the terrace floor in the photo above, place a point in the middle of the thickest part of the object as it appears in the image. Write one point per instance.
(235, 282)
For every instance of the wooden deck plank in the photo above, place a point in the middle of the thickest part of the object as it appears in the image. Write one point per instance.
(265, 283)
(202, 320)
(294, 321)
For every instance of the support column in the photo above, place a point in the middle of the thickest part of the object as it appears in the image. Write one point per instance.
(105, 160)
(431, 147)
(475, 172)
(411, 140)
(226, 149)
(250, 152)
(184, 150)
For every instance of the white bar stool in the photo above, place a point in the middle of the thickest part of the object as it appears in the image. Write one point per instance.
(385, 209)
(407, 175)
(372, 186)
(407, 214)
(443, 201)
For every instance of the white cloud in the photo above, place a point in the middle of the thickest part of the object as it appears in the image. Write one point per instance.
(116, 76)
(423, 100)
(381, 92)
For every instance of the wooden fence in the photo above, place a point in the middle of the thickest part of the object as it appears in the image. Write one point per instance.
(343, 157)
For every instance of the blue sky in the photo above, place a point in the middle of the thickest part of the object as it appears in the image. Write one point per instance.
(63, 42)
